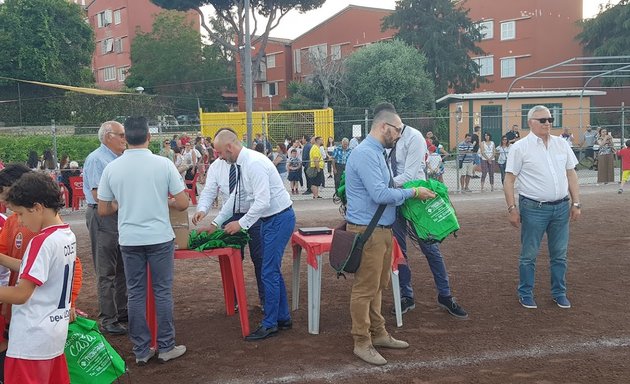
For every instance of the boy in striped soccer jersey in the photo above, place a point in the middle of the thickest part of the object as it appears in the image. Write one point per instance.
(41, 297)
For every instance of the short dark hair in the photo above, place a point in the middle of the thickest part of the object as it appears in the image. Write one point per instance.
(12, 173)
(389, 107)
(136, 130)
(226, 129)
(35, 188)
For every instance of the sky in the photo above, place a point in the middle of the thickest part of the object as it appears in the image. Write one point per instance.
(294, 23)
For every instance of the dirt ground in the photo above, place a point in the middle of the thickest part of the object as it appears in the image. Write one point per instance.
(500, 343)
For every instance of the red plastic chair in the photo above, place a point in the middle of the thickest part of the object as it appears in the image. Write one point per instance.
(191, 188)
(76, 183)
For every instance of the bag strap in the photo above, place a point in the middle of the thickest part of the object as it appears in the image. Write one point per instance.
(370, 228)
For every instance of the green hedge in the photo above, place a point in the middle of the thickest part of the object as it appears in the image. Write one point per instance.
(17, 148)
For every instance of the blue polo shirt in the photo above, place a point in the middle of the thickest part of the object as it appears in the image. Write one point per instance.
(140, 182)
(367, 185)
(93, 168)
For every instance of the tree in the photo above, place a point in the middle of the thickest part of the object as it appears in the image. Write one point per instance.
(45, 40)
(171, 61)
(607, 34)
(444, 33)
(232, 13)
(388, 71)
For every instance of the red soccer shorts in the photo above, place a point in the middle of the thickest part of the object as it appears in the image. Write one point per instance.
(22, 371)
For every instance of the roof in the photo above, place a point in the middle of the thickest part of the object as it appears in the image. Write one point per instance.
(346, 9)
(517, 95)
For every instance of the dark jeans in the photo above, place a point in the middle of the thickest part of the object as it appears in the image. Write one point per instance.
(502, 170)
(160, 259)
(255, 252)
(340, 169)
(108, 264)
(430, 251)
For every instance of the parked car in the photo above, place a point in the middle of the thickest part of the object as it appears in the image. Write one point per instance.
(166, 121)
(188, 119)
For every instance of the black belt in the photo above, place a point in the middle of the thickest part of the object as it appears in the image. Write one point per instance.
(276, 214)
(566, 198)
(93, 205)
(377, 225)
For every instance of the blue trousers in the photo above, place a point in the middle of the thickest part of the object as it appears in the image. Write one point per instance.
(255, 252)
(430, 251)
(159, 257)
(275, 232)
(536, 220)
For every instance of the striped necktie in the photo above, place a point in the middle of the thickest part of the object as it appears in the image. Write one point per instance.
(232, 177)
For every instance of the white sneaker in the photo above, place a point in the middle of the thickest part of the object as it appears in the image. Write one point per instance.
(145, 359)
(174, 353)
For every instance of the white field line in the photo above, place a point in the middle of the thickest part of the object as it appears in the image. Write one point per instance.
(350, 371)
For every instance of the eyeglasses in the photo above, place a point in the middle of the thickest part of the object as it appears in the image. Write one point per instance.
(121, 135)
(543, 120)
(399, 130)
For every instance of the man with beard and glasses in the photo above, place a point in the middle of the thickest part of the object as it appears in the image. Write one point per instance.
(369, 184)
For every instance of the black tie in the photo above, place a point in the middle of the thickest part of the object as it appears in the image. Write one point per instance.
(392, 159)
(391, 179)
(232, 177)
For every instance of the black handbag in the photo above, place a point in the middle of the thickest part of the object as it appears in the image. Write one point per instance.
(347, 247)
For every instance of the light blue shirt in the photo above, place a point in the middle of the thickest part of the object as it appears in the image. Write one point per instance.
(141, 182)
(367, 185)
(93, 169)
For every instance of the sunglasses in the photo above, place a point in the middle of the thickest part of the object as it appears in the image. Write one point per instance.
(543, 120)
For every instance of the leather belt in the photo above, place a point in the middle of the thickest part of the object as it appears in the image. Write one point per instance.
(556, 202)
(377, 225)
(93, 205)
(276, 214)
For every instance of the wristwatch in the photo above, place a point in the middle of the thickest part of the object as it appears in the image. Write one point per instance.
(577, 205)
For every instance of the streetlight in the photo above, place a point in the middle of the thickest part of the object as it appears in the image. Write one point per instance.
(270, 107)
(140, 90)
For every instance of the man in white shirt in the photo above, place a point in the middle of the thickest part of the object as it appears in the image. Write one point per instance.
(407, 163)
(218, 183)
(544, 165)
(269, 202)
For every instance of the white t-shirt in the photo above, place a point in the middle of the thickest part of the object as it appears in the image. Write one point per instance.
(39, 327)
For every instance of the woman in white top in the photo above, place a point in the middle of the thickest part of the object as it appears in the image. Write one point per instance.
(330, 148)
(487, 150)
(503, 151)
(189, 157)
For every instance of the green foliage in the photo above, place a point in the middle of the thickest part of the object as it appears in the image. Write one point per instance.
(45, 40)
(302, 96)
(17, 148)
(171, 61)
(607, 34)
(388, 71)
(444, 33)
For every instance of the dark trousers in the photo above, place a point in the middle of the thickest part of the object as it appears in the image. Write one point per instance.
(308, 179)
(255, 252)
(340, 169)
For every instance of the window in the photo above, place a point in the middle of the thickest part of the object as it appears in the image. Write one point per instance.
(508, 30)
(99, 20)
(297, 61)
(486, 65)
(554, 108)
(508, 67)
(271, 61)
(270, 89)
(107, 17)
(485, 29)
(109, 73)
(255, 93)
(107, 45)
(318, 52)
(117, 19)
(262, 71)
(335, 52)
(122, 73)
(119, 45)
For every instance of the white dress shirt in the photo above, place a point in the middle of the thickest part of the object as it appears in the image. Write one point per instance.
(218, 184)
(541, 172)
(411, 151)
(261, 187)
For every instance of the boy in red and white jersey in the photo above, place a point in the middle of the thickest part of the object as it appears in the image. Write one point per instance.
(41, 297)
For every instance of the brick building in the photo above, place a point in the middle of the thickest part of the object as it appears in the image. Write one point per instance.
(115, 23)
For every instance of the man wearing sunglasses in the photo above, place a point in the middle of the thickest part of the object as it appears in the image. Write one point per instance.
(407, 161)
(544, 166)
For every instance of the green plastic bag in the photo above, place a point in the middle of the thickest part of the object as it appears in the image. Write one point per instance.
(433, 220)
(91, 359)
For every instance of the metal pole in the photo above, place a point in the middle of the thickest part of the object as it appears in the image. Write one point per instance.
(53, 128)
(366, 122)
(457, 151)
(623, 128)
(247, 65)
(20, 103)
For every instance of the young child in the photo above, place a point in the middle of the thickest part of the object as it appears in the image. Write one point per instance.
(624, 154)
(435, 167)
(41, 297)
(295, 170)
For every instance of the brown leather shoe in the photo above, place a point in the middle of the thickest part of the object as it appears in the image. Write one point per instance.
(389, 342)
(369, 355)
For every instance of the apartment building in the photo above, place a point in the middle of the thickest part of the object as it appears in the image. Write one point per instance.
(115, 24)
